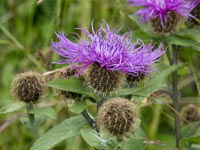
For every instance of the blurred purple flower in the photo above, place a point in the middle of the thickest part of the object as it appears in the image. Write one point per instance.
(109, 50)
(160, 8)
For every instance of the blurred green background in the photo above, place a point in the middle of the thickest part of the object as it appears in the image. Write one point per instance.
(26, 30)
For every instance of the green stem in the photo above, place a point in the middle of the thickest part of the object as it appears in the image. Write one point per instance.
(89, 119)
(31, 117)
(175, 96)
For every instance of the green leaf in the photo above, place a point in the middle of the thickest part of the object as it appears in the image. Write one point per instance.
(155, 83)
(71, 84)
(11, 107)
(181, 41)
(133, 144)
(135, 141)
(159, 77)
(190, 33)
(67, 129)
(92, 138)
(192, 139)
(39, 120)
(78, 107)
(46, 111)
(139, 90)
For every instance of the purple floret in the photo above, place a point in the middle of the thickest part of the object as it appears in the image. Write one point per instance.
(109, 50)
(159, 8)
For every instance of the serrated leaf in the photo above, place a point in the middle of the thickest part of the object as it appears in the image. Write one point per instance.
(67, 129)
(39, 120)
(46, 111)
(11, 107)
(71, 84)
(92, 138)
(78, 107)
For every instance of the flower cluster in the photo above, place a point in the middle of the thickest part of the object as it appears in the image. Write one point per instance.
(164, 15)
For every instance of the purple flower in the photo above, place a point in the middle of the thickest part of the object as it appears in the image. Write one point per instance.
(160, 8)
(108, 49)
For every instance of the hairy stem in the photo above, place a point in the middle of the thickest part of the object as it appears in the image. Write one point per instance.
(31, 117)
(175, 96)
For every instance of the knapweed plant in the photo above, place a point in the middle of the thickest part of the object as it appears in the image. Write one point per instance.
(107, 86)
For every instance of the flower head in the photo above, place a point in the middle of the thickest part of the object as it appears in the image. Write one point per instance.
(163, 13)
(109, 50)
(107, 57)
(118, 117)
(28, 86)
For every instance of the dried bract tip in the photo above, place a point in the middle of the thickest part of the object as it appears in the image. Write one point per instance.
(118, 117)
(190, 113)
(102, 81)
(28, 86)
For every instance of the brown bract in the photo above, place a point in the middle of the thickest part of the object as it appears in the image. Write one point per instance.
(118, 116)
(170, 25)
(190, 113)
(102, 81)
(28, 86)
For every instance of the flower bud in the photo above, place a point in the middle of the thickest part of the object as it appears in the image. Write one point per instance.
(169, 25)
(190, 113)
(118, 117)
(28, 86)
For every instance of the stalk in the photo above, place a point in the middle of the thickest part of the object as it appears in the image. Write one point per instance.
(89, 119)
(175, 96)
(31, 117)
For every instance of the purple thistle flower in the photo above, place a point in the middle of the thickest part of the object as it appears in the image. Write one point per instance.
(159, 8)
(108, 49)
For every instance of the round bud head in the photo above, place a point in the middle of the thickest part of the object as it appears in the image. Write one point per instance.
(28, 86)
(167, 26)
(190, 113)
(102, 81)
(196, 13)
(118, 117)
(62, 73)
